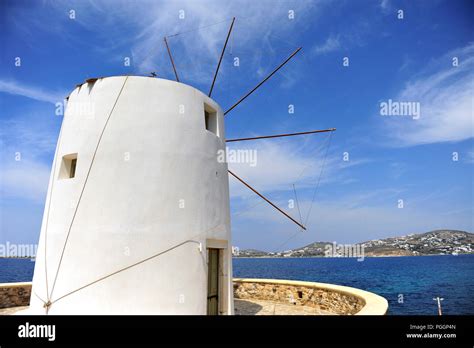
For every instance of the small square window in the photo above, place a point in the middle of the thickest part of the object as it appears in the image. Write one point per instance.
(68, 166)
(210, 119)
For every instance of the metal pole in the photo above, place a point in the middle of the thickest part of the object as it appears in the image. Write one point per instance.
(266, 200)
(264, 80)
(281, 135)
(439, 299)
(222, 55)
(171, 58)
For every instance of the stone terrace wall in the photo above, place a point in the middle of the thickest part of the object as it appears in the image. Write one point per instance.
(14, 294)
(337, 302)
(322, 299)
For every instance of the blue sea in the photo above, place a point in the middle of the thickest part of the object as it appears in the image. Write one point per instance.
(408, 283)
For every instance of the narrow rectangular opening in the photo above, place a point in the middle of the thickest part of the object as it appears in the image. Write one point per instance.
(72, 172)
(68, 166)
(210, 119)
(213, 280)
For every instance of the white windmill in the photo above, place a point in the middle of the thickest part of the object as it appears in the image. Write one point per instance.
(137, 212)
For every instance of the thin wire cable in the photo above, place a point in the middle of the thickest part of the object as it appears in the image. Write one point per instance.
(248, 209)
(286, 242)
(297, 204)
(191, 240)
(314, 195)
(198, 28)
(301, 220)
(84, 186)
(323, 146)
(289, 43)
(123, 269)
(39, 298)
(319, 179)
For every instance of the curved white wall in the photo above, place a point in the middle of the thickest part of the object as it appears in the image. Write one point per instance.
(155, 155)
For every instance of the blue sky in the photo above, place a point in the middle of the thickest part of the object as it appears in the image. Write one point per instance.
(391, 158)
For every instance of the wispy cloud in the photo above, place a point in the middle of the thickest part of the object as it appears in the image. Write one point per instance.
(469, 157)
(332, 43)
(32, 134)
(201, 27)
(27, 179)
(26, 148)
(356, 34)
(385, 6)
(445, 95)
(197, 50)
(32, 92)
(280, 164)
(348, 218)
(263, 36)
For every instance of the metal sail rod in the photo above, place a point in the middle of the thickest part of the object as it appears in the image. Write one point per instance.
(171, 58)
(222, 55)
(263, 81)
(266, 200)
(282, 135)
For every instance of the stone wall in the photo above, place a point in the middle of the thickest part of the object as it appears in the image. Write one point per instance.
(14, 294)
(315, 295)
(325, 300)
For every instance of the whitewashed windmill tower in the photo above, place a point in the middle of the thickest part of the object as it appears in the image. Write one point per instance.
(137, 214)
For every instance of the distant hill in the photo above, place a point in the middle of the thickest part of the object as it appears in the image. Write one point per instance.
(429, 243)
(251, 253)
(439, 242)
